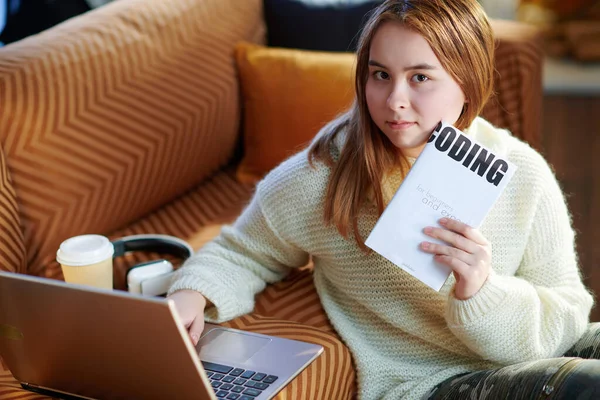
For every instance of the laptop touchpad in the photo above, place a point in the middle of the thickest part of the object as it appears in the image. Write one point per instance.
(235, 347)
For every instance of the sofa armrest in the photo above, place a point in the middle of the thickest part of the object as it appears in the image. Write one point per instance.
(517, 102)
(12, 247)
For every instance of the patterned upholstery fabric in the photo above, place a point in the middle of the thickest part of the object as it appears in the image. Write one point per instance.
(116, 112)
(517, 104)
(12, 247)
(195, 217)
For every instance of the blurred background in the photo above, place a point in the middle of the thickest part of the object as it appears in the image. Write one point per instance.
(571, 27)
(21, 18)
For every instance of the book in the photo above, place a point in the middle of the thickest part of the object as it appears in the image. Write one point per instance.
(455, 177)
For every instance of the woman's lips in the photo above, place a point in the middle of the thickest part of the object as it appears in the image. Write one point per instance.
(400, 124)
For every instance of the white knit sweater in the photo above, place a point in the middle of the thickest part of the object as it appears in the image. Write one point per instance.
(404, 336)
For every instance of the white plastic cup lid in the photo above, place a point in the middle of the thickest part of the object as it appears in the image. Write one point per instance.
(84, 250)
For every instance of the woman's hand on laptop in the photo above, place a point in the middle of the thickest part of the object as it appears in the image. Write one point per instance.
(190, 306)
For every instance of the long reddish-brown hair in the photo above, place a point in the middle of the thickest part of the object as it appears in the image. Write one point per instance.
(460, 35)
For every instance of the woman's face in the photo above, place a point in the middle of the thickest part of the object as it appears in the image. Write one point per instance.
(408, 92)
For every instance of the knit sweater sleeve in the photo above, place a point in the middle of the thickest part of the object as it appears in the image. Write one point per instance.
(230, 270)
(544, 308)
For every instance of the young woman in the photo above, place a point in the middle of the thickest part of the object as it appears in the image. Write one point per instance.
(516, 294)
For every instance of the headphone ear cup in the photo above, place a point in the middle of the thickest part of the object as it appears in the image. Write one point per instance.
(150, 278)
(153, 277)
(147, 264)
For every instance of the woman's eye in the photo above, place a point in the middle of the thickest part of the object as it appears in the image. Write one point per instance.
(420, 78)
(381, 75)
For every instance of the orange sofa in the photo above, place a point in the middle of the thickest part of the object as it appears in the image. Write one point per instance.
(128, 119)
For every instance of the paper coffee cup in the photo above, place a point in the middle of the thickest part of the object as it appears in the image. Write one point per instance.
(87, 260)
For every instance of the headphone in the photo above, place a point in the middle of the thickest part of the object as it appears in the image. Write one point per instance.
(151, 278)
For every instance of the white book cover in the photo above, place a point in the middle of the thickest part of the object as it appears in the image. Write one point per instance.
(454, 176)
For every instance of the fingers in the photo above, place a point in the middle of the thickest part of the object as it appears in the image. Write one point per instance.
(465, 250)
(464, 230)
(196, 329)
(459, 267)
(462, 245)
(456, 240)
(445, 253)
(190, 307)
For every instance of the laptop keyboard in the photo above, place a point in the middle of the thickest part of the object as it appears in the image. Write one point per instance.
(236, 383)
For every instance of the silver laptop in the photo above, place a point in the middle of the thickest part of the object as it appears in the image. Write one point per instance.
(72, 341)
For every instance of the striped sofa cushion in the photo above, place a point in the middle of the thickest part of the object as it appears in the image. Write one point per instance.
(116, 112)
(12, 247)
(330, 376)
(195, 217)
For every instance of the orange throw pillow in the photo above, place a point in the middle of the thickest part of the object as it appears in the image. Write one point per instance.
(288, 96)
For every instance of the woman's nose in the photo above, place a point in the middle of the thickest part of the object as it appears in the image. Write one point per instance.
(398, 97)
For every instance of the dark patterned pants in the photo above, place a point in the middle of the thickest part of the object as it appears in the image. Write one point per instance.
(575, 376)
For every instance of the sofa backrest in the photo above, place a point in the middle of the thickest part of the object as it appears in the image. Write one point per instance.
(116, 112)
